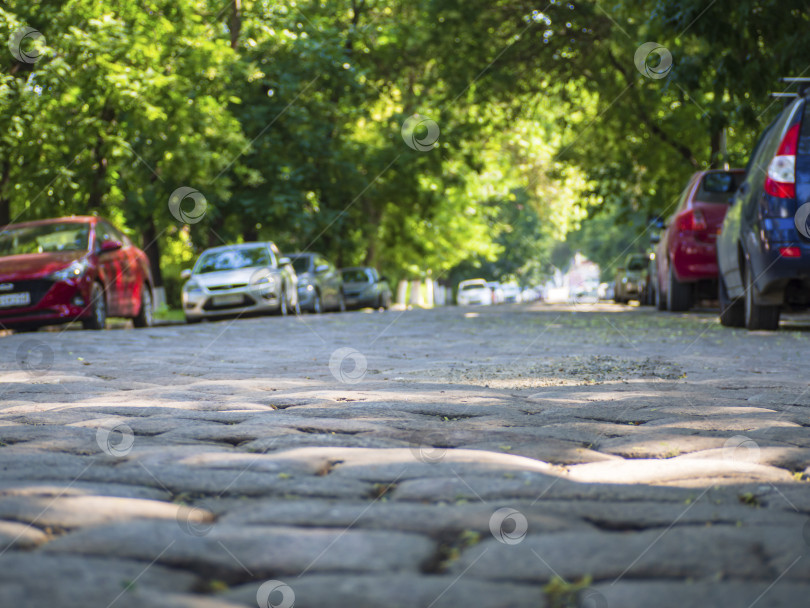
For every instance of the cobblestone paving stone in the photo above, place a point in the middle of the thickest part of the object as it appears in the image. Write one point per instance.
(519, 456)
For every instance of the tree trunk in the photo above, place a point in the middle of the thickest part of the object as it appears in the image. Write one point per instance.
(151, 248)
(5, 201)
(235, 22)
(718, 143)
(97, 188)
(250, 233)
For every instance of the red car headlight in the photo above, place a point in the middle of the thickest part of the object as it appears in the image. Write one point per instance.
(74, 271)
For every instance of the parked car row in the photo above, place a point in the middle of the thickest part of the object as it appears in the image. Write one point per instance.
(84, 269)
(735, 235)
(488, 293)
(256, 278)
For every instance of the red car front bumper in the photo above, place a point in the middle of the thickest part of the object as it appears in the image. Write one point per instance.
(51, 303)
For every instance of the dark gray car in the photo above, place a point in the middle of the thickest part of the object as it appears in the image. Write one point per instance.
(320, 286)
(364, 287)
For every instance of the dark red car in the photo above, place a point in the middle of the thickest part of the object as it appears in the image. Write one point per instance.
(72, 268)
(686, 256)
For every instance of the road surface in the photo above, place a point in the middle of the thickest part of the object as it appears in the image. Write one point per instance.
(515, 456)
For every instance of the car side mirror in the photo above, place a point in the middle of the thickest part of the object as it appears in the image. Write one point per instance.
(110, 245)
(185, 274)
(284, 261)
(655, 238)
(322, 268)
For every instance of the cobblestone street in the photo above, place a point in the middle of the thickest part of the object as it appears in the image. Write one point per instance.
(515, 456)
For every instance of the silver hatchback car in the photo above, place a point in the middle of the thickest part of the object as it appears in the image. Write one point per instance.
(240, 279)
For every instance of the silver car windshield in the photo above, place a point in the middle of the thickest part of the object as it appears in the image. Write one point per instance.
(233, 259)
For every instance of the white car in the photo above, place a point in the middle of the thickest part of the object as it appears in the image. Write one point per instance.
(498, 296)
(238, 279)
(511, 293)
(474, 291)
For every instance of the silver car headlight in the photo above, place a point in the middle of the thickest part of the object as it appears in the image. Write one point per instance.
(192, 286)
(263, 284)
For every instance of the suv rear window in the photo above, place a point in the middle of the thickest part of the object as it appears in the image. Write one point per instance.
(718, 187)
(637, 262)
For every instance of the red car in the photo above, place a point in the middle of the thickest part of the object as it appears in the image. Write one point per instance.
(72, 268)
(686, 256)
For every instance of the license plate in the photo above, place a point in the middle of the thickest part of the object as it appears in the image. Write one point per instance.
(228, 300)
(15, 299)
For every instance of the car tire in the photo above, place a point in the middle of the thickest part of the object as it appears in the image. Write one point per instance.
(193, 320)
(732, 312)
(660, 299)
(283, 305)
(295, 309)
(98, 307)
(756, 316)
(145, 316)
(679, 295)
(317, 303)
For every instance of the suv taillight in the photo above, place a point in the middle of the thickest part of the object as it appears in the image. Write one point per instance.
(691, 220)
(781, 179)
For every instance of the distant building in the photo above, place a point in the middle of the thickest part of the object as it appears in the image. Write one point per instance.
(582, 278)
